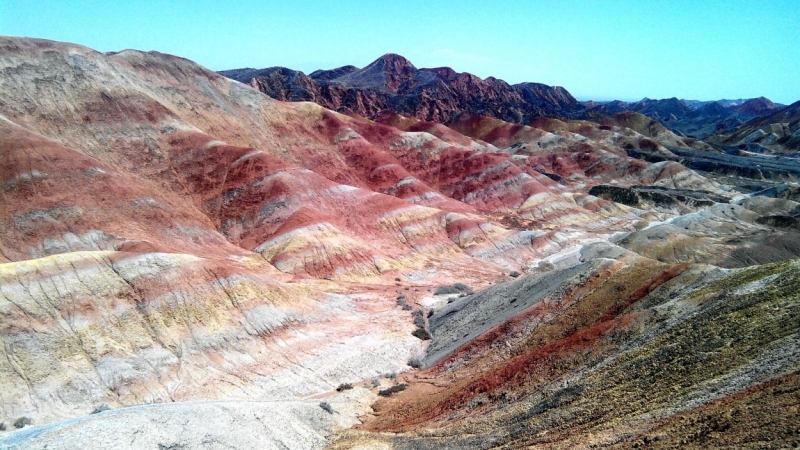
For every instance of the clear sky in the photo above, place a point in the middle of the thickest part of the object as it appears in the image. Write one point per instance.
(627, 49)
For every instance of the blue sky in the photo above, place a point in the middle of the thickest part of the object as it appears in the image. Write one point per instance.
(596, 49)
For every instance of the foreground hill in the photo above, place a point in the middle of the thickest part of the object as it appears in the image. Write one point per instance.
(200, 264)
(392, 83)
(159, 221)
(617, 352)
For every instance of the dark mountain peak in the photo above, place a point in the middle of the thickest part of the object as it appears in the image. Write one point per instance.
(674, 101)
(553, 93)
(446, 73)
(786, 114)
(763, 131)
(247, 74)
(531, 85)
(694, 103)
(713, 108)
(589, 104)
(386, 73)
(393, 66)
(612, 107)
(327, 75)
(758, 106)
(794, 108)
(728, 102)
(663, 108)
(497, 82)
(468, 77)
(394, 61)
(278, 82)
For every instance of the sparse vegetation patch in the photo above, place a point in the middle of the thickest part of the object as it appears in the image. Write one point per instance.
(457, 288)
(22, 421)
(394, 389)
(422, 334)
(100, 409)
(326, 407)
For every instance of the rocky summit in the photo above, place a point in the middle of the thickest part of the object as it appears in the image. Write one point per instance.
(385, 257)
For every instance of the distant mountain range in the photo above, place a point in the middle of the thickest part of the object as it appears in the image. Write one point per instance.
(725, 102)
(691, 118)
(392, 82)
(777, 131)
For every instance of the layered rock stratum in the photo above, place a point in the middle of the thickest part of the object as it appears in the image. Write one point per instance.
(186, 262)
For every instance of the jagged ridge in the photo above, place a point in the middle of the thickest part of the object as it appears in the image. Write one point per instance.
(392, 82)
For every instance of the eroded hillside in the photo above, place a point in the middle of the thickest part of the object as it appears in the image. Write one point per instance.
(199, 264)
